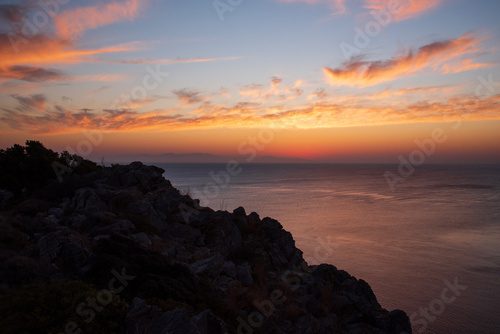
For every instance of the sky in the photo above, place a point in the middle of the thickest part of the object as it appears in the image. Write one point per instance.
(321, 80)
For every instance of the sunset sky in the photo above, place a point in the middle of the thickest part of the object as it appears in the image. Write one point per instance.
(325, 80)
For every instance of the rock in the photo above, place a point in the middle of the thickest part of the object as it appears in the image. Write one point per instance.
(32, 206)
(56, 212)
(240, 211)
(211, 265)
(146, 178)
(142, 239)
(229, 269)
(119, 226)
(86, 200)
(146, 319)
(64, 249)
(207, 323)
(5, 197)
(143, 212)
(399, 322)
(244, 274)
(12, 238)
(253, 219)
(19, 269)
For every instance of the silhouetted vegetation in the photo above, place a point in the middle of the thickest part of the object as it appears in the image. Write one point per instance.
(26, 168)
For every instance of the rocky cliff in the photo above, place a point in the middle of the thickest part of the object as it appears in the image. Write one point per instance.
(120, 250)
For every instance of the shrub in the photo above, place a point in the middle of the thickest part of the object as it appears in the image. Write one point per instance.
(30, 167)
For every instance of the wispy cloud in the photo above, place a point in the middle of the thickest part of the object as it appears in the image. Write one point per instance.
(109, 77)
(360, 72)
(188, 97)
(402, 9)
(172, 61)
(42, 49)
(275, 90)
(36, 102)
(464, 65)
(70, 24)
(338, 6)
(30, 73)
(134, 104)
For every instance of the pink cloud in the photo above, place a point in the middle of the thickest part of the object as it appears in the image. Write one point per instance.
(402, 9)
(72, 23)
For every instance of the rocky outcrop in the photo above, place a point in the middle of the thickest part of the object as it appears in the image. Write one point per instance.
(148, 259)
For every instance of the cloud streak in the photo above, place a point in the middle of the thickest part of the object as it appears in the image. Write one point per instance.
(464, 65)
(73, 23)
(360, 72)
(172, 61)
(402, 9)
(36, 102)
(338, 6)
(188, 97)
(30, 73)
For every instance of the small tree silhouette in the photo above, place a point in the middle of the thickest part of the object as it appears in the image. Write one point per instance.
(26, 168)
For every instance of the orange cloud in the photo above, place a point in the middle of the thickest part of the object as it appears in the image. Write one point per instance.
(21, 55)
(402, 9)
(252, 115)
(42, 49)
(463, 66)
(72, 23)
(359, 72)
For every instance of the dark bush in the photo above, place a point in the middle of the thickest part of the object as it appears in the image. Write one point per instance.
(30, 167)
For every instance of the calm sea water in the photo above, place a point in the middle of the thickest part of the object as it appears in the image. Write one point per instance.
(442, 224)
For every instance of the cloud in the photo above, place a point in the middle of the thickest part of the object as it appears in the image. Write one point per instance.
(31, 74)
(360, 72)
(188, 97)
(463, 66)
(318, 94)
(23, 62)
(402, 9)
(138, 103)
(338, 6)
(110, 77)
(254, 115)
(72, 23)
(43, 49)
(276, 90)
(36, 101)
(12, 13)
(171, 61)
(23, 52)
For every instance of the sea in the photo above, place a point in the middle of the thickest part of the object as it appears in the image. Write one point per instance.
(427, 240)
